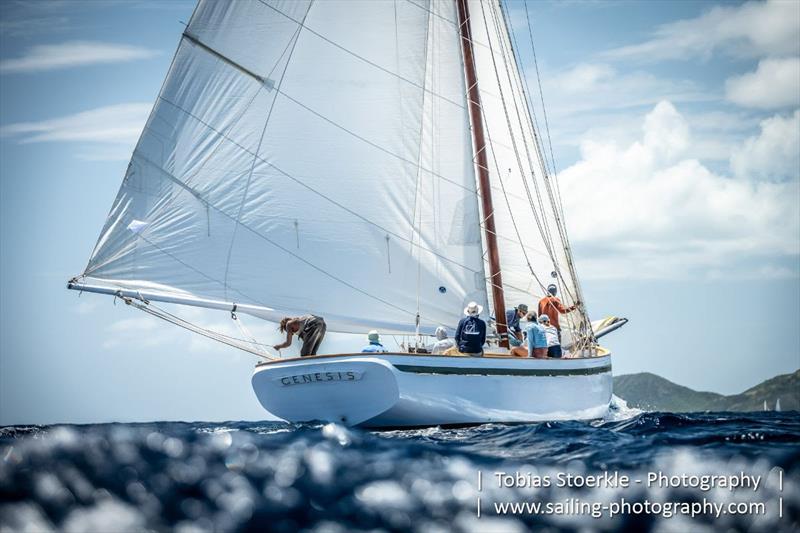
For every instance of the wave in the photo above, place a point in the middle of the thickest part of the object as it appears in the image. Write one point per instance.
(239, 476)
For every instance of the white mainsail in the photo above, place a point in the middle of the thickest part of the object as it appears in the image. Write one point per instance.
(316, 156)
(307, 156)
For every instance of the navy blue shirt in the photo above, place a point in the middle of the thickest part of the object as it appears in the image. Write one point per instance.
(470, 335)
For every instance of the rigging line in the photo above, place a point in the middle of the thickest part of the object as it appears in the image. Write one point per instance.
(151, 305)
(529, 123)
(374, 145)
(524, 125)
(186, 188)
(224, 339)
(557, 194)
(258, 148)
(543, 222)
(246, 107)
(553, 161)
(546, 235)
(278, 90)
(362, 58)
(529, 106)
(305, 186)
(417, 182)
(546, 181)
(555, 201)
(539, 81)
(453, 22)
(519, 162)
(552, 201)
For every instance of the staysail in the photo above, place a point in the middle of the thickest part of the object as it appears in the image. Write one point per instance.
(316, 156)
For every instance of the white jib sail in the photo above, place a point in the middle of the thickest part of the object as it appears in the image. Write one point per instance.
(307, 156)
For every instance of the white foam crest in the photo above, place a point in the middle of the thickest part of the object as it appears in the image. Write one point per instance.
(618, 410)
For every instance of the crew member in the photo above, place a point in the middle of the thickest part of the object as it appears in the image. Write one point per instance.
(374, 345)
(551, 334)
(310, 329)
(442, 343)
(471, 331)
(551, 306)
(537, 339)
(512, 323)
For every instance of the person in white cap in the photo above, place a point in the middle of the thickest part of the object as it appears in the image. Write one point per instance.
(374, 345)
(551, 334)
(442, 343)
(471, 331)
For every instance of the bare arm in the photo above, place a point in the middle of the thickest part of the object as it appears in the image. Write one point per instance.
(289, 332)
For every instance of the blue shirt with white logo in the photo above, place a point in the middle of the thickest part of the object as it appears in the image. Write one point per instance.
(470, 335)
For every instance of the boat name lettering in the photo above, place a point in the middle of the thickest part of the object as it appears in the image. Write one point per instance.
(316, 377)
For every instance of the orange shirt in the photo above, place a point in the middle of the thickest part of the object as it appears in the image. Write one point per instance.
(552, 307)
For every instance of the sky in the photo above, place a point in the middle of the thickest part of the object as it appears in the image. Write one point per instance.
(675, 129)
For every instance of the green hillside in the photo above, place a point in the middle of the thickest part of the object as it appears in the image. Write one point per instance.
(654, 393)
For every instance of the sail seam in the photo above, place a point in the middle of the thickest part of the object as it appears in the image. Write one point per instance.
(358, 56)
(315, 267)
(306, 186)
(258, 147)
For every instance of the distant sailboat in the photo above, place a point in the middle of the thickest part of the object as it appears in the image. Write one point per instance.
(765, 406)
(778, 404)
(374, 163)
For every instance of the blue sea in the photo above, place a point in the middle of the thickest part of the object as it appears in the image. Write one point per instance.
(685, 472)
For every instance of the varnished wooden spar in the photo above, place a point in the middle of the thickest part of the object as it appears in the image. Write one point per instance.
(479, 140)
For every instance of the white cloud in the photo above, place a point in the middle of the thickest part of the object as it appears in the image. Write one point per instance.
(772, 154)
(598, 100)
(774, 84)
(646, 210)
(591, 86)
(120, 123)
(752, 29)
(73, 54)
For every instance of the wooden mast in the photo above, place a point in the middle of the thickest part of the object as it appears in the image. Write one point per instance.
(479, 141)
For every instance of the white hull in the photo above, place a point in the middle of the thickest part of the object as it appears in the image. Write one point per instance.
(402, 390)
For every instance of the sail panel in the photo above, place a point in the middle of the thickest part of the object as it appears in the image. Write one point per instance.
(307, 157)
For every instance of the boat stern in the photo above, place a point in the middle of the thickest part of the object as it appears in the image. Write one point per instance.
(346, 390)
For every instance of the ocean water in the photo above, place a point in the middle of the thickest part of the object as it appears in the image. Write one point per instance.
(250, 476)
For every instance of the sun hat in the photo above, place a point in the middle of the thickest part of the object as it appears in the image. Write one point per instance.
(441, 333)
(373, 336)
(473, 309)
(544, 318)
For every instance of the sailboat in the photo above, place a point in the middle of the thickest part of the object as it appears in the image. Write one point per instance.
(378, 164)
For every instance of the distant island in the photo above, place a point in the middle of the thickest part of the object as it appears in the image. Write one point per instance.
(654, 393)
